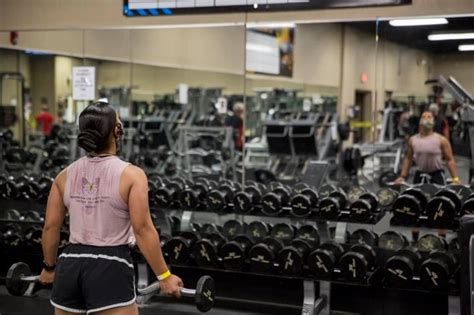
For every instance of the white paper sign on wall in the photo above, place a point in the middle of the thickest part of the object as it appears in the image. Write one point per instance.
(83, 81)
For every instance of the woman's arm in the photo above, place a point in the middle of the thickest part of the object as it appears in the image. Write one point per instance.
(450, 162)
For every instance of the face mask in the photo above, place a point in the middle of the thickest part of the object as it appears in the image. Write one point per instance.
(427, 123)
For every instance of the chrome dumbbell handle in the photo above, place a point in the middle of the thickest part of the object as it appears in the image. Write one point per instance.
(155, 287)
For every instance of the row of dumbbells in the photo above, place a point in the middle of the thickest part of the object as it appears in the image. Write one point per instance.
(273, 200)
(440, 207)
(284, 250)
(29, 187)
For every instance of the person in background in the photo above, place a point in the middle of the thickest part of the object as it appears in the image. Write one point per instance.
(428, 149)
(236, 121)
(45, 120)
(440, 124)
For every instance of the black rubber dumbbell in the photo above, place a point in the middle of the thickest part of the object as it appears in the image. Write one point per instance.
(235, 252)
(443, 208)
(15, 187)
(437, 270)
(246, 201)
(194, 197)
(330, 206)
(257, 230)
(392, 240)
(464, 192)
(362, 209)
(308, 233)
(208, 228)
(284, 232)
(304, 202)
(357, 262)
(468, 206)
(33, 216)
(14, 215)
(323, 260)
(232, 228)
(206, 250)
(221, 196)
(179, 248)
(33, 236)
(274, 201)
(402, 267)
(326, 189)
(431, 242)
(38, 189)
(12, 235)
(362, 236)
(262, 255)
(408, 207)
(168, 194)
(386, 196)
(292, 258)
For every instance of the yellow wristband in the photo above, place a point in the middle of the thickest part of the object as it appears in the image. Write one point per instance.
(456, 179)
(164, 275)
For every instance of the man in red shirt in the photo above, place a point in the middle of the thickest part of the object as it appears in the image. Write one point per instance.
(45, 120)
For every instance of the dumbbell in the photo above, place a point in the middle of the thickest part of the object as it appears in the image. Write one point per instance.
(464, 192)
(308, 233)
(443, 207)
(179, 248)
(15, 187)
(468, 206)
(284, 232)
(362, 236)
(330, 206)
(194, 197)
(362, 209)
(262, 255)
(401, 268)
(257, 230)
(304, 202)
(245, 201)
(274, 201)
(204, 294)
(208, 228)
(38, 190)
(357, 262)
(323, 260)
(33, 236)
(221, 196)
(408, 207)
(326, 189)
(431, 242)
(12, 235)
(392, 240)
(14, 215)
(33, 216)
(19, 279)
(436, 271)
(206, 250)
(386, 196)
(234, 253)
(292, 258)
(232, 228)
(168, 194)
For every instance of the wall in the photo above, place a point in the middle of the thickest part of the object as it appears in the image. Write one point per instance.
(93, 14)
(458, 65)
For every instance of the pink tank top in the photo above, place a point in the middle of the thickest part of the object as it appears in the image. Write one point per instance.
(98, 215)
(427, 152)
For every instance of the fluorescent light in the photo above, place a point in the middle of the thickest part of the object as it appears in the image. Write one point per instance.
(466, 47)
(260, 48)
(451, 36)
(271, 25)
(418, 22)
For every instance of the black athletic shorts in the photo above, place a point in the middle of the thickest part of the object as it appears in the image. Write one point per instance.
(92, 279)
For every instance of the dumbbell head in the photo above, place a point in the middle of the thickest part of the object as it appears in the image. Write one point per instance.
(386, 196)
(208, 228)
(441, 210)
(291, 259)
(257, 230)
(330, 206)
(262, 255)
(354, 193)
(206, 250)
(273, 202)
(408, 207)
(322, 261)
(400, 269)
(419, 194)
(362, 236)
(284, 232)
(362, 209)
(219, 198)
(245, 201)
(392, 240)
(431, 242)
(38, 190)
(436, 271)
(308, 233)
(304, 202)
(192, 198)
(234, 253)
(205, 295)
(12, 236)
(33, 236)
(13, 282)
(167, 194)
(179, 247)
(326, 189)
(357, 262)
(468, 206)
(232, 228)
(14, 188)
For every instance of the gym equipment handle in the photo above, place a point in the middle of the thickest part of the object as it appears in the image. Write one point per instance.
(155, 287)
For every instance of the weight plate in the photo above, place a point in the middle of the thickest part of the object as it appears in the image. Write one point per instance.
(392, 240)
(308, 233)
(441, 211)
(362, 236)
(205, 294)
(386, 196)
(13, 281)
(430, 242)
(354, 193)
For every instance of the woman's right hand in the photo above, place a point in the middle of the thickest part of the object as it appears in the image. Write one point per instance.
(399, 181)
(171, 286)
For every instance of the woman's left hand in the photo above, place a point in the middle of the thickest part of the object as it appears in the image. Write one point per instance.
(46, 277)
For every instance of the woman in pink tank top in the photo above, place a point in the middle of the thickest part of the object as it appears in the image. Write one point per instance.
(428, 149)
(107, 202)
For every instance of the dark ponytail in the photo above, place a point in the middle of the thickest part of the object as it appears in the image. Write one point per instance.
(96, 122)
